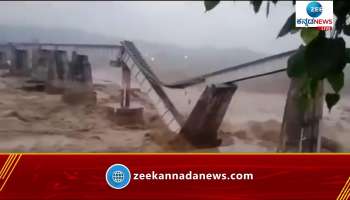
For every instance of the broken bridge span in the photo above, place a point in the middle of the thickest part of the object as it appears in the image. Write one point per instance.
(299, 131)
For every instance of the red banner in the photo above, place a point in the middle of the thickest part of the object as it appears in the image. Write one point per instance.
(176, 176)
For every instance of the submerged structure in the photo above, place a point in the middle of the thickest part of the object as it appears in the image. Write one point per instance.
(50, 64)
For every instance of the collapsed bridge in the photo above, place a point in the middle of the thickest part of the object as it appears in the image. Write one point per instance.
(299, 132)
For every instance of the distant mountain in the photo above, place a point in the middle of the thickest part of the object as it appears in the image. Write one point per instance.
(170, 62)
(190, 62)
(35, 34)
(202, 60)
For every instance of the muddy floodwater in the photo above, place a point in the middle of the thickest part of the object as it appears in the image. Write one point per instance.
(33, 121)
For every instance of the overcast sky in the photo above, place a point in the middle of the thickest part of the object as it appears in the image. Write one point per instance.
(230, 25)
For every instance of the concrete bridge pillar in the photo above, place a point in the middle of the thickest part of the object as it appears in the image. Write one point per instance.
(126, 113)
(3, 64)
(43, 72)
(300, 129)
(78, 88)
(20, 66)
(126, 82)
(204, 121)
(62, 65)
(57, 69)
(41, 62)
(54, 84)
(2, 57)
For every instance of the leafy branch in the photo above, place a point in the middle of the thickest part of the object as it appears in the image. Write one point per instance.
(319, 58)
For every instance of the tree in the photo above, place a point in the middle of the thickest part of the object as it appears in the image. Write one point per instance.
(320, 57)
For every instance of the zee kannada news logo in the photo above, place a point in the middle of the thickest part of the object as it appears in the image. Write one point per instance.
(314, 14)
(314, 9)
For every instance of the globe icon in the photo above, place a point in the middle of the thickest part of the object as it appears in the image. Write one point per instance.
(118, 176)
